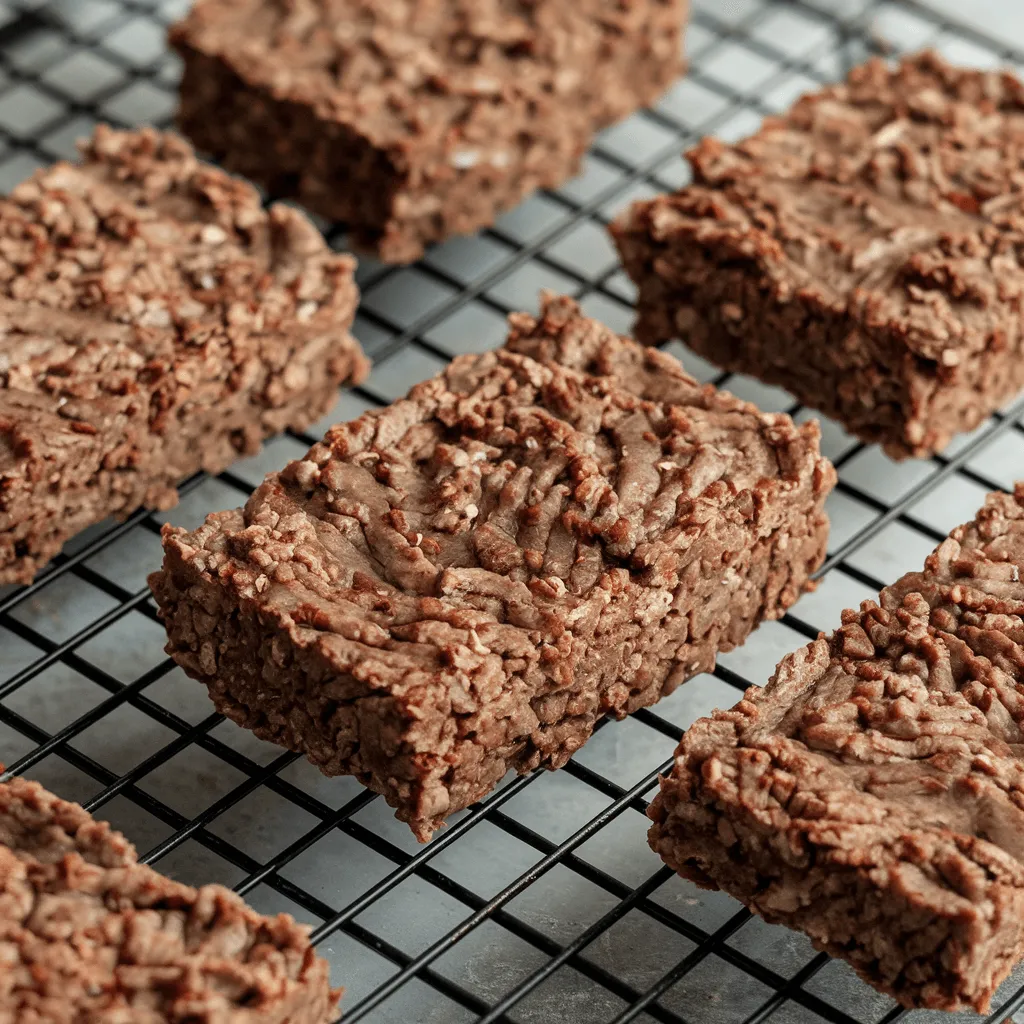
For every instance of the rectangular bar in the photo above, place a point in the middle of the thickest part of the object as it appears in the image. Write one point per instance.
(414, 121)
(872, 795)
(465, 582)
(88, 933)
(860, 251)
(155, 321)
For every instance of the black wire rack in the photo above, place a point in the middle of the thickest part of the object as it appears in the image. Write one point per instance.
(542, 903)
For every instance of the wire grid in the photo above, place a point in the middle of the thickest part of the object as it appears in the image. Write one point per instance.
(543, 902)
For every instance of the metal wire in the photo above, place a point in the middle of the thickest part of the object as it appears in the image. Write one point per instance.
(36, 39)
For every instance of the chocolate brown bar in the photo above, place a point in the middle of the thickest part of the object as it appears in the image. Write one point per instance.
(465, 582)
(412, 121)
(89, 934)
(861, 251)
(156, 321)
(872, 795)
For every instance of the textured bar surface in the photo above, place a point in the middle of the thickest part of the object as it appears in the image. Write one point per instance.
(89, 934)
(411, 121)
(468, 580)
(872, 795)
(862, 251)
(155, 321)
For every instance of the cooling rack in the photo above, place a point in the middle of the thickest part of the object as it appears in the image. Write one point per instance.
(543, 903)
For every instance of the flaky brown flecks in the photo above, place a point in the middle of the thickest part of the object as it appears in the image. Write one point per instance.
(413, 121)
(89, 934)
(155, 321)
(861, 251)
(468, 580)
(872, 795)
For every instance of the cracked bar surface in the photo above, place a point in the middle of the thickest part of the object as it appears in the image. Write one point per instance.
(465, 582)
(155, 321)
(862, 251)
(872, 795)
(89, 934)
(414, 120)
